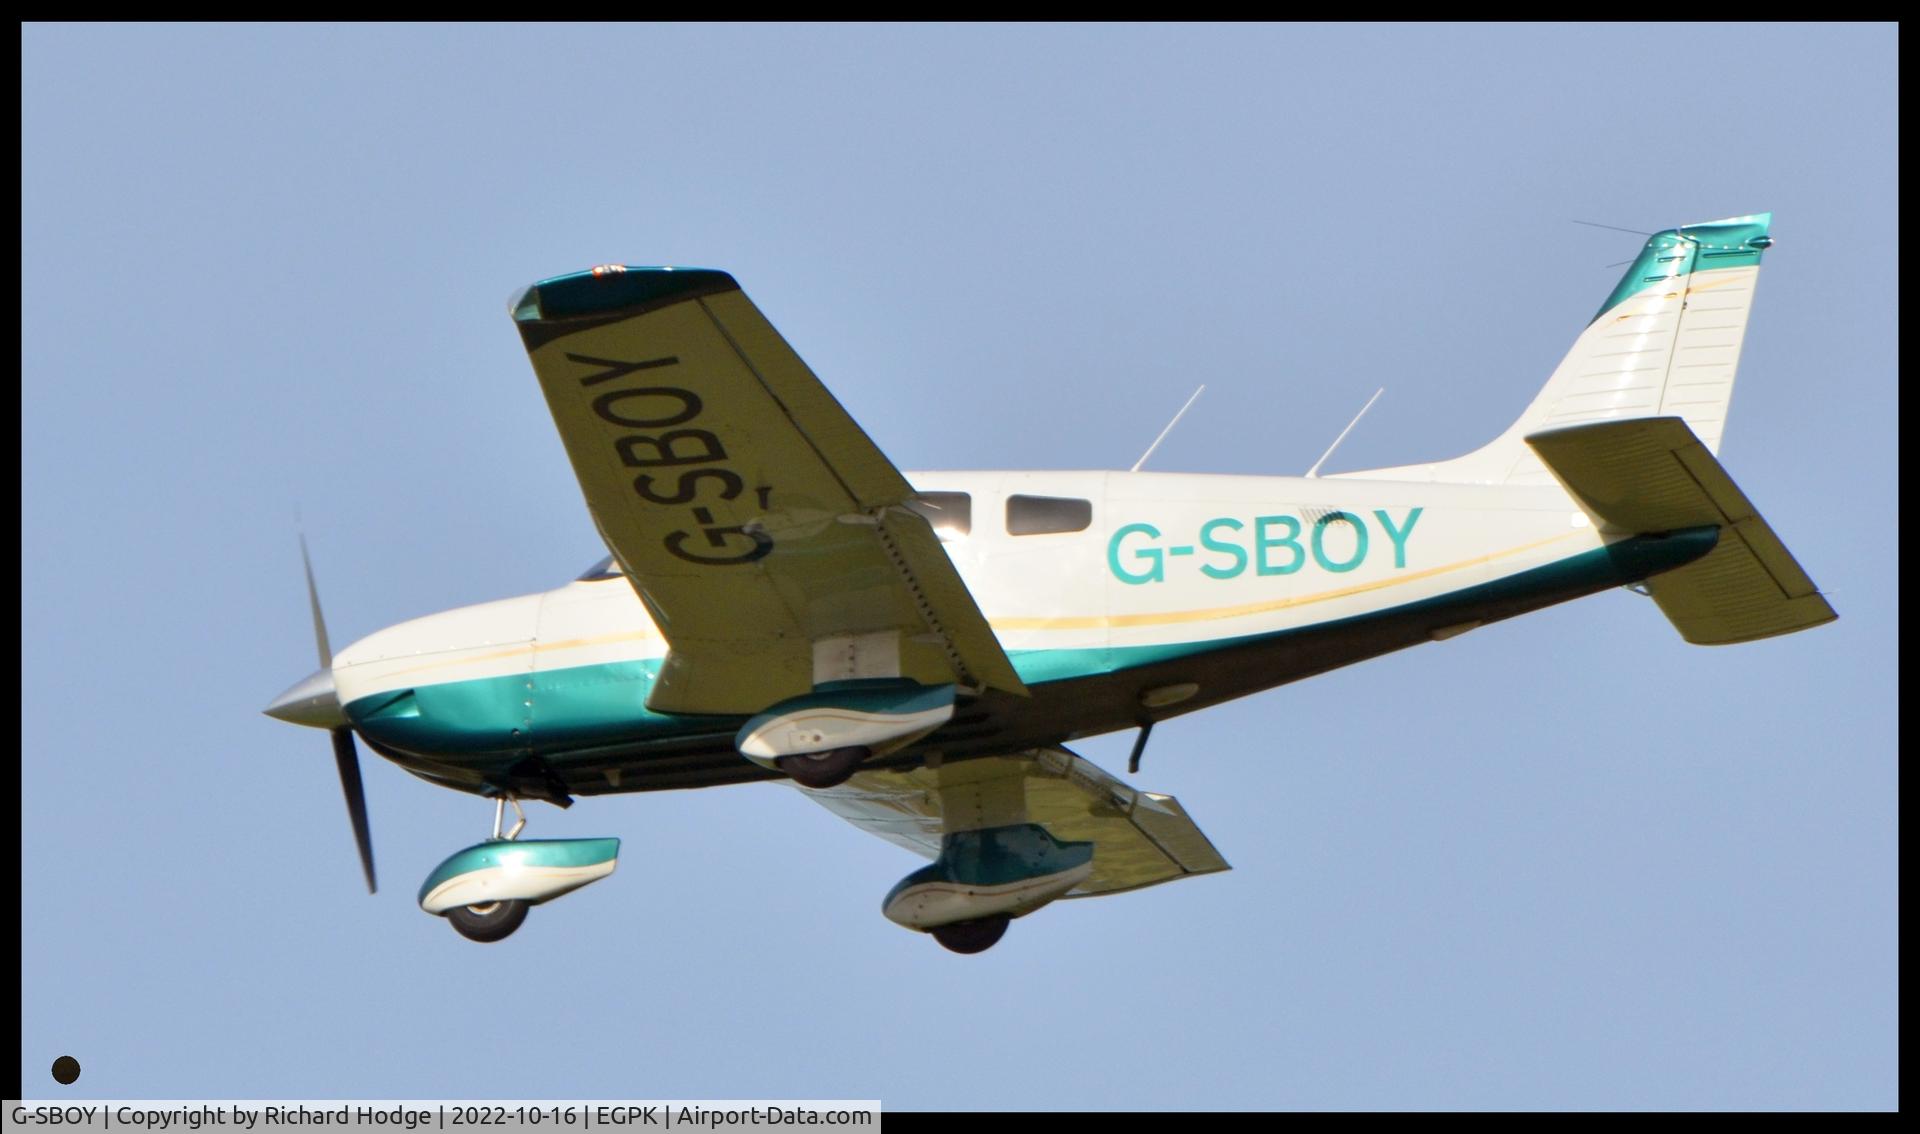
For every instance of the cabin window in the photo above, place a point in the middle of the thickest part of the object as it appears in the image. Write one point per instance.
(950, 513)
(1042, 515)
(605, 569)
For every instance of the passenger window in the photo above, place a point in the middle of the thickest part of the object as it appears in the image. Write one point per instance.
(950, 513)
(1040, 515)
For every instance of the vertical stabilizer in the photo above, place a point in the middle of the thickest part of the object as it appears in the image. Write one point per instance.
(1666, 343)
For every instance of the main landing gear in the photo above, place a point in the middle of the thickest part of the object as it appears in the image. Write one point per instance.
(822, 738)
(824, 769)
(485, 891)
(976, 936)
(982, 880)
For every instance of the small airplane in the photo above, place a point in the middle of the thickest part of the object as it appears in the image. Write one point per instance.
(915, 651)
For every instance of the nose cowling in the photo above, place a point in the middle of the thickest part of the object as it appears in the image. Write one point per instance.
(310, 701)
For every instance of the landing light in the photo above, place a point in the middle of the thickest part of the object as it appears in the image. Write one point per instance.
(1162, 696)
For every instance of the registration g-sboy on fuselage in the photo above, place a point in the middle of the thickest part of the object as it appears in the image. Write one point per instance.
(914, 651)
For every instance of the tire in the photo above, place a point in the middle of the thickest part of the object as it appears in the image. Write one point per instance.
(976, 936)
(490, 922)
(823, 769)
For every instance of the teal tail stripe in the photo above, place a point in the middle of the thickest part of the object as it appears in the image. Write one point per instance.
(1736, 242)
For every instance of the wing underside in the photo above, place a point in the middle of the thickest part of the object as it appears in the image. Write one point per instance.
(1140, 838)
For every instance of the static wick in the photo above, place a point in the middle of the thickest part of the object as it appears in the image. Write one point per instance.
(1168, 429)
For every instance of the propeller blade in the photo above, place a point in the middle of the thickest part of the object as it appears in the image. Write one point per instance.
(347, 755)
(313, 600)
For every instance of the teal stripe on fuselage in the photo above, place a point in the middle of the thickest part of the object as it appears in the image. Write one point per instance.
(487, 721)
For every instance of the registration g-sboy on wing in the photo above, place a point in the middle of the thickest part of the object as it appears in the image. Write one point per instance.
(914, 651)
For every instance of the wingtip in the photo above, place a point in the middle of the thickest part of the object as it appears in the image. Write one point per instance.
(615, 289)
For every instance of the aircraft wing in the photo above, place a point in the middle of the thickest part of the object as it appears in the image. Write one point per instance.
(1140, 838)
(753, 516)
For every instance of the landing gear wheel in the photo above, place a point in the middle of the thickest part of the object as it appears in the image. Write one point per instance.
(976, 936)
(823, 769)
(490, 922)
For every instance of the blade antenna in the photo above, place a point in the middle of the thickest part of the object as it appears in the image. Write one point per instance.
(1168, 429)
(1315, 470)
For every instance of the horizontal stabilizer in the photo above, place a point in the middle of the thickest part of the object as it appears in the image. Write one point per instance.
(1653, 475)
(1139, 838)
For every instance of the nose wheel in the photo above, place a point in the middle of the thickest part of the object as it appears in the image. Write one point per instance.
(490, 922)
(494, 921)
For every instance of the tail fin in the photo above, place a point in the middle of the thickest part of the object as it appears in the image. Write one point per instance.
(1665, 343)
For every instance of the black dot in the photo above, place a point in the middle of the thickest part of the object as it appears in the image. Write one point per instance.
(66, 1069)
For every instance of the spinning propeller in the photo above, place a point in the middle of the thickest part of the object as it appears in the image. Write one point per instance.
(314, 702)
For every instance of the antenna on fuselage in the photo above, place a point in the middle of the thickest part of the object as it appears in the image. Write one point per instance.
(1168, 429)
(1315, 470)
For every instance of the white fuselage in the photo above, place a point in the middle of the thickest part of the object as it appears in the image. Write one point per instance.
(1167, 559)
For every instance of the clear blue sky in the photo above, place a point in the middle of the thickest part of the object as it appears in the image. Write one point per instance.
(1568, 861)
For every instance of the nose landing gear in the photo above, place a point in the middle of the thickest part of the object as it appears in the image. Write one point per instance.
(494, 921)
(982, 880)
(485, 891)
(488, 921)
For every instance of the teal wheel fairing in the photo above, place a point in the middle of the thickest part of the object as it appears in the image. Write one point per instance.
(533, 854)
(894, 696)
(996, 856)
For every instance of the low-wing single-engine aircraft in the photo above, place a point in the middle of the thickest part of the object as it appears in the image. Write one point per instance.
(914, 651)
